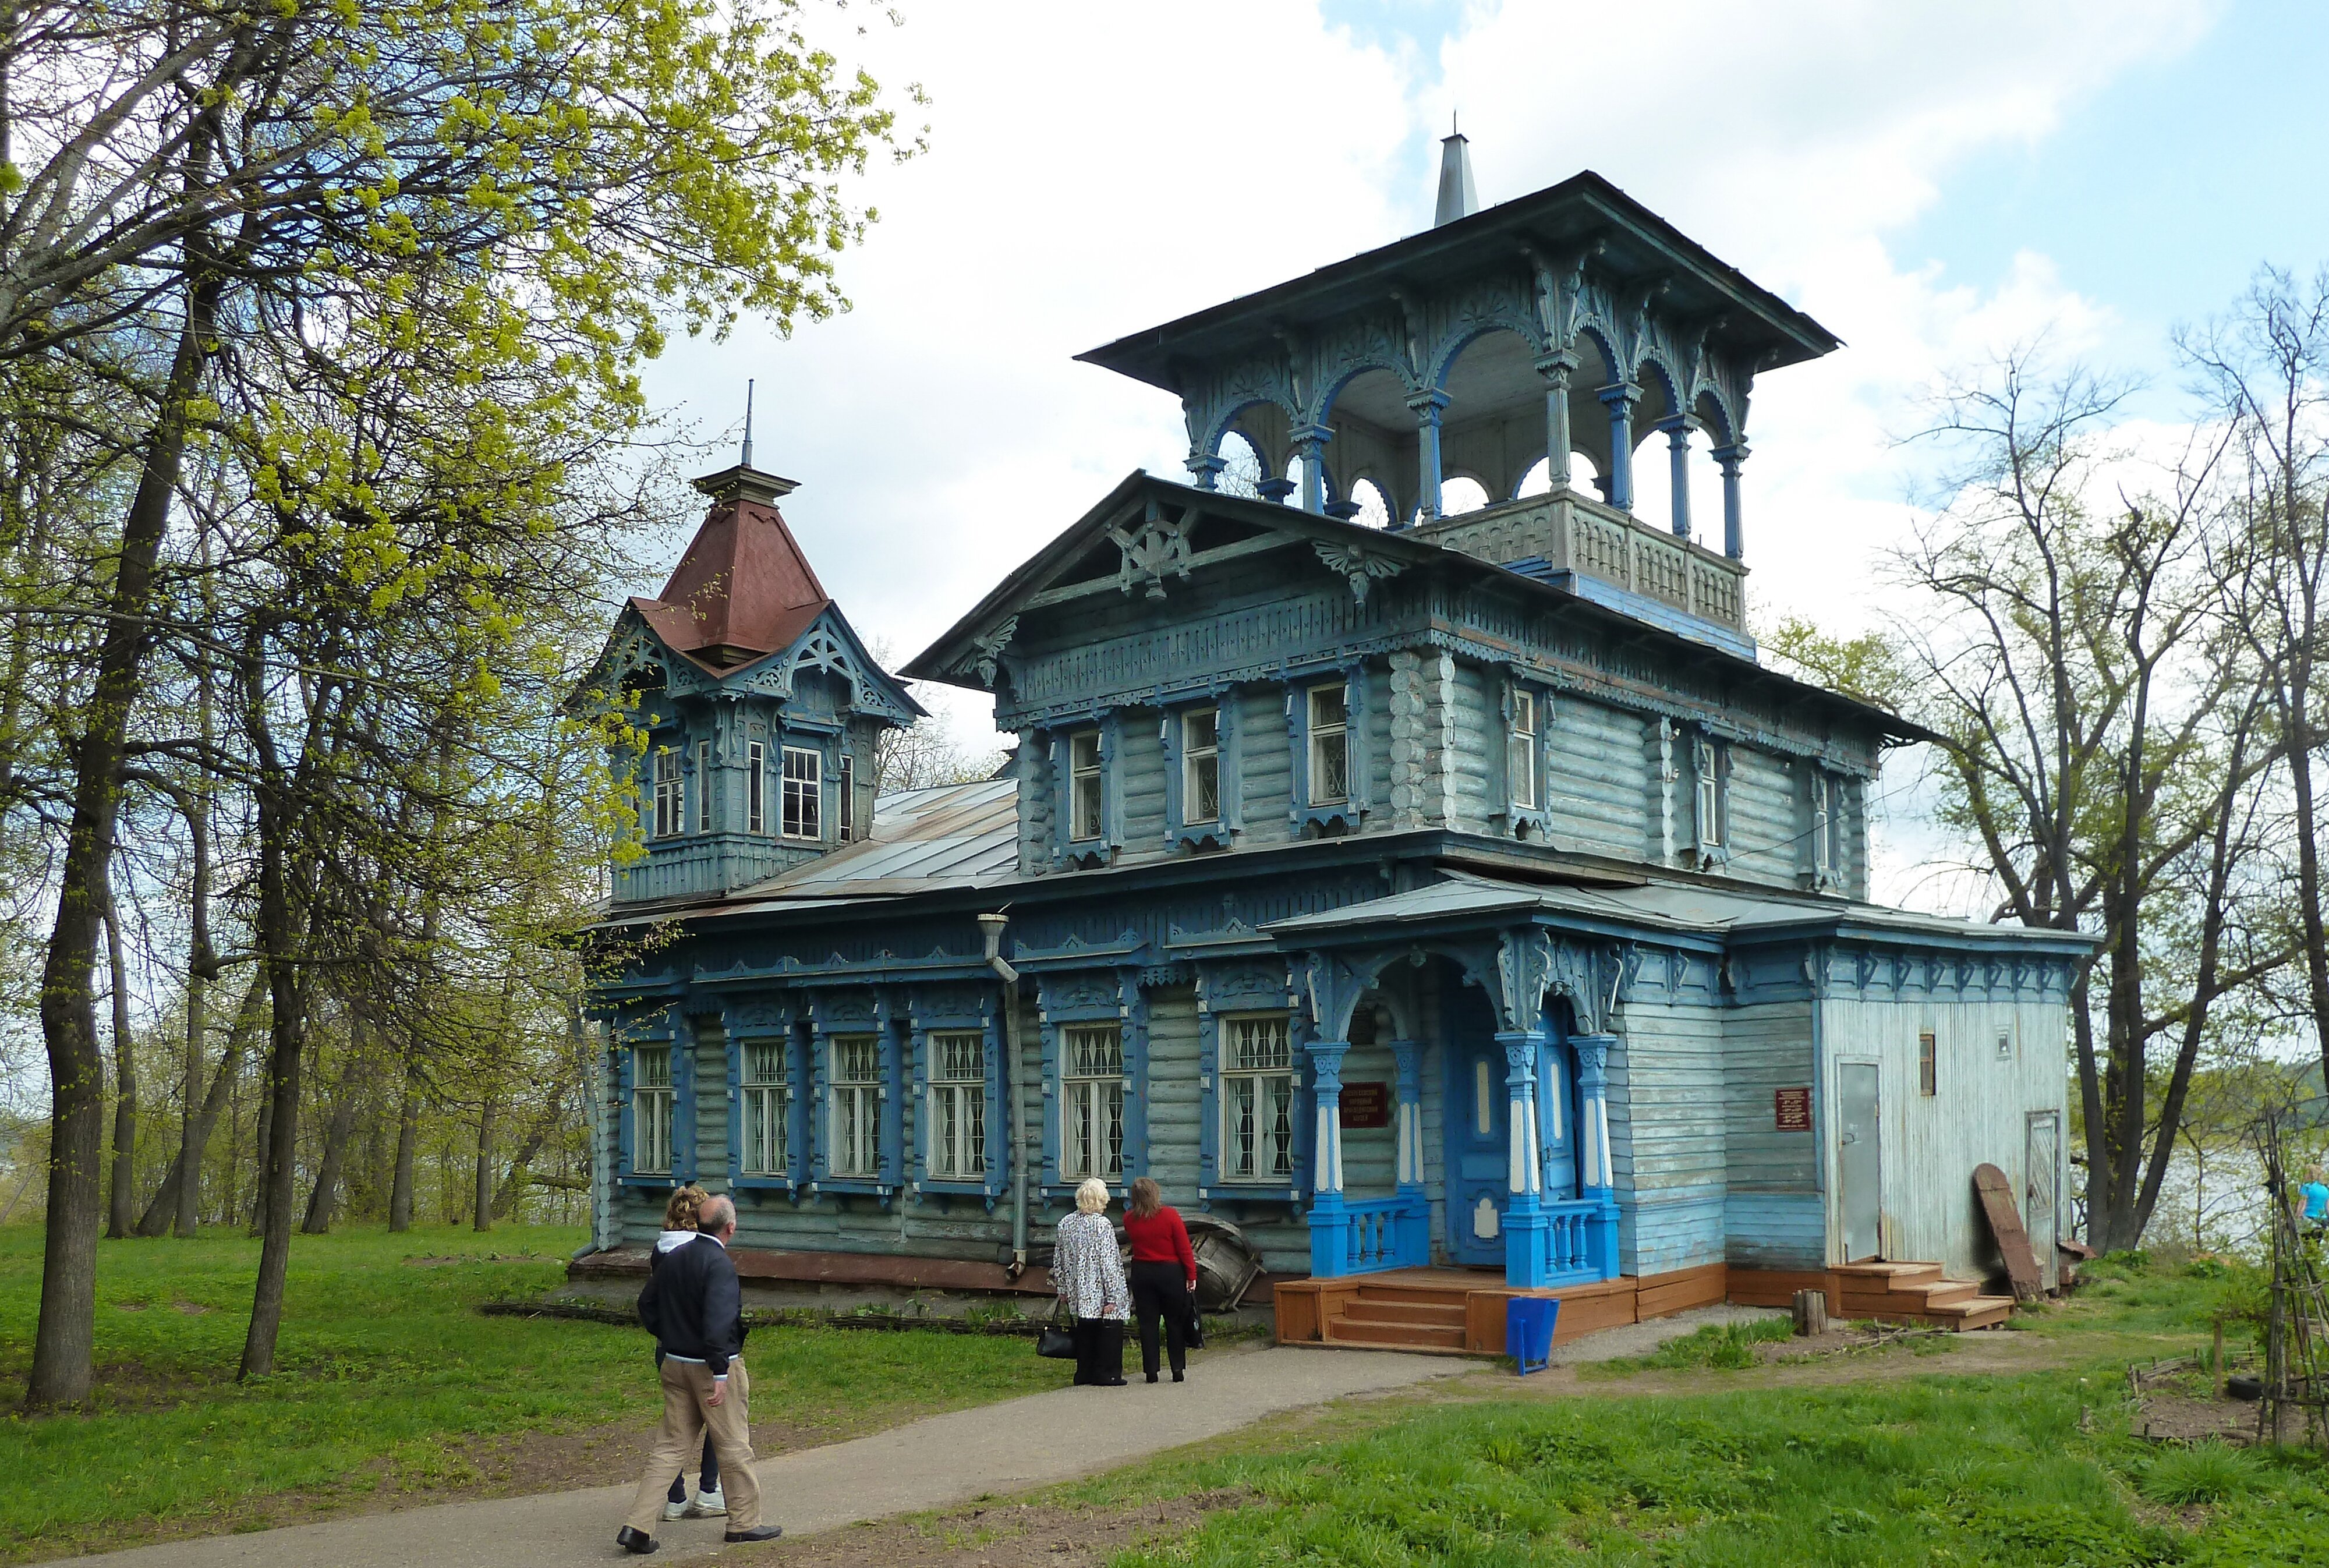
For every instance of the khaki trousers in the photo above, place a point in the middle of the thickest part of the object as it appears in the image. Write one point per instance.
(686, 1419)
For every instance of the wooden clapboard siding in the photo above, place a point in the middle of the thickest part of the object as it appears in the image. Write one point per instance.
(1371, 1157)
(1265, 764)
(1676, 1290)
(1673, 1181)
(1930, 1144)
(1766, 817)
(1597, 786)
(1476, 760)
(1173, 1093)
(1140, 773)
(1774, 1217)
(709, 1047)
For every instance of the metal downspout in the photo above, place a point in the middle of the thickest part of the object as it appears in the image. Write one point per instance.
(991, 926)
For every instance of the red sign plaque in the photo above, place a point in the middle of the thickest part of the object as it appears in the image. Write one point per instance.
(1791, 1109)
(1366, 1106)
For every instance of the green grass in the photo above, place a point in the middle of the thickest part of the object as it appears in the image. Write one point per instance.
(1933, 1470)
(1728, 1346)
(385, 1373)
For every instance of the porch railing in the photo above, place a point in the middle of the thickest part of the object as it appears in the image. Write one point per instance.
(1581, 1240)
(1386, 1233)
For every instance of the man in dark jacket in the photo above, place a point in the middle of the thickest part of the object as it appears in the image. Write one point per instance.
(694, 1309)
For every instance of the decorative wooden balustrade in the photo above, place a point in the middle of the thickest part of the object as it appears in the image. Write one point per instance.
(1567, 532)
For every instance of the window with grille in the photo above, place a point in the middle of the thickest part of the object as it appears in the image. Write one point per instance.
(1330, 750)
(756, 788)
(652, 1108)
(1084, 783)
(704, 786)
(1707, 763)
(958, 1146)
(1257, 1099)
(767, 1108)
(1091, 1102)
(1201, 765)
(1928, 1062)
(848, 799)
(666, 793)
(804, 801)
(856, 1098)
(1520, 752)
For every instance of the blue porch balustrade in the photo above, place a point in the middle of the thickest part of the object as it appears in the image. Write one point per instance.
(1385, 1233)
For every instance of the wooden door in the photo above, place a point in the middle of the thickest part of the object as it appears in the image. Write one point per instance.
(1859, 1168)
(1478, 1124)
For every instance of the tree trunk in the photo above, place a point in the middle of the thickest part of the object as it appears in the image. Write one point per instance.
(483, 1220)
(201, 964)
(325, 1197)
(279, 941)
(174, 1199)
(408, 1141)
(124, 1196)
(62, 1346)
(262, 1147)
(514, 1180)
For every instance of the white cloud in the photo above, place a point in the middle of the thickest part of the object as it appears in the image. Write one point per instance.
(1097, 169)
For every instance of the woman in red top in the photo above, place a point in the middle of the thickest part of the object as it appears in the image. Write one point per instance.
(1163, 1275)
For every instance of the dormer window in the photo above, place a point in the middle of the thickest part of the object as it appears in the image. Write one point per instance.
(1084, 784)
(704, 786)
(1521, 751)
(1201, 765)
(756, 788)
(666, 793)
(1823, 846)
(848, 799)
(803, 793)
(1330, 750)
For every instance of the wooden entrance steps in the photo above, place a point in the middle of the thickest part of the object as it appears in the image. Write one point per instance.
(1461, 1311)
(1915, 1293)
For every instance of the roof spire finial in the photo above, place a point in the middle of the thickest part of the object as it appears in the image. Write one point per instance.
(748, 423)
(1456, 197)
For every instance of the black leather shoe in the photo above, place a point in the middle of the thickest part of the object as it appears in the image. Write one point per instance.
(1152, 1377)
(1112, 1382)
(637, 1542)
(1178, 1378)
(758, 1533)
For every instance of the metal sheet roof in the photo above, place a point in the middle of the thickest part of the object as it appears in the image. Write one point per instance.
(922, 840)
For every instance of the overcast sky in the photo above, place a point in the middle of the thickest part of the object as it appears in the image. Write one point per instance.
(1933, 182)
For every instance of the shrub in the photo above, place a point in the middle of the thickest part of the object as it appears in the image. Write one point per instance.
(2206, 1473)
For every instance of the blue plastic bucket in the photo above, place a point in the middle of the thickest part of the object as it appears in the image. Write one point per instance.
(1528, 1330)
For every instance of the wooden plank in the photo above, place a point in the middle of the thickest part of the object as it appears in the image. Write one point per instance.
(1996, 1196)
(1664, 1295)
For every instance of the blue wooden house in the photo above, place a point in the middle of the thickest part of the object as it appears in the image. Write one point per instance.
(1447, 899)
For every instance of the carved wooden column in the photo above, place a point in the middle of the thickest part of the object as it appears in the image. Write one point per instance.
(1728, 458)
(1557, 368)
(1677, 434)
(1597, 1176)
(1428, 407)
(1329, 1224)
(1621, 400)
(1525, 1261)
(1310, 448)
(1414, 1222)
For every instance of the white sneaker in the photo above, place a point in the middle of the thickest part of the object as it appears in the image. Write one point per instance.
(709, 1505)
(672, 1511)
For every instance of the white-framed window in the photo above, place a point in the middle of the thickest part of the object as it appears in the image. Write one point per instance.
(1823, 856)
(1330, 747)
(667, 820)
(856, 1099)
(652, 1109)
(848, 799)
(1091, 1102)
(766, 1109)
(1084, 784)
(1520, 750)
(1257, 1099)
(704, 786)
(958, 1146)
(1708, 767)
(1201, 765)
(756, 788)
(803, 793)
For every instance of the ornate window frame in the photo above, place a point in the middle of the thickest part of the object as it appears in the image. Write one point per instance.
(960, 1008)
(1070, 995)
(1230, 989)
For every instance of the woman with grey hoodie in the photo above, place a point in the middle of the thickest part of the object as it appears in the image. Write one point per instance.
(679, 1230)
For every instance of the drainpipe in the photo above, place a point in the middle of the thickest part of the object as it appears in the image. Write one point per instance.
(991, 926)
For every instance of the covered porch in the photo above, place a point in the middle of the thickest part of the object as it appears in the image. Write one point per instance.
(1503, 1017)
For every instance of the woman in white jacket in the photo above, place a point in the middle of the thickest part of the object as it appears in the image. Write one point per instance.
(1089, 1274)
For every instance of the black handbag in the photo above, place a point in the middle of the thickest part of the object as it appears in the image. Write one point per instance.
(1056, 1342)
